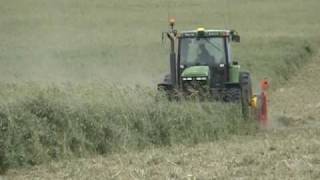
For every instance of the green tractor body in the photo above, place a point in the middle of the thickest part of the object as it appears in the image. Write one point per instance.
(201, 64)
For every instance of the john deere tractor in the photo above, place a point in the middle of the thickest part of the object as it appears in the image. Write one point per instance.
(201, 65)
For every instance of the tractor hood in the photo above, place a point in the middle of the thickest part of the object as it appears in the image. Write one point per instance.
(196, 71)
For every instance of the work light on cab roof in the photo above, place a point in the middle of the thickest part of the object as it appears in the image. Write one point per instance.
(200, 31)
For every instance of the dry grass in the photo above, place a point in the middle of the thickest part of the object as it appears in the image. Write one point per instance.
(286, 152)
(298, 102)
(290, 153)
(276, 154)
(85, 45)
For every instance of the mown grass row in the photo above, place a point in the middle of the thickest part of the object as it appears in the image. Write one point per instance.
(56, 122)
(40, 123)
(274, 58)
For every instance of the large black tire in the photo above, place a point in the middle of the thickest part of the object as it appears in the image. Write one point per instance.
(165, 89)
(232, 95)
(246, 93)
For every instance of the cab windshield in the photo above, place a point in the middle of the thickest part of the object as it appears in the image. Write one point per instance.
(202, 51)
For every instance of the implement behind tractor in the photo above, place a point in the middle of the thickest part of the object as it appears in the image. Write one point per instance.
(201, 66)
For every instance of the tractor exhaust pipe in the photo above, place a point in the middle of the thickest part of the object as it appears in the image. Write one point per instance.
(173, 62)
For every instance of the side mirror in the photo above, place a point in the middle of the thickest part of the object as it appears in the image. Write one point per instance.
(235, 38)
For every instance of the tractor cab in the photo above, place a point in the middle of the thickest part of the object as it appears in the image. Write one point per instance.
(208, 51)
(201, 63)
(205, 55)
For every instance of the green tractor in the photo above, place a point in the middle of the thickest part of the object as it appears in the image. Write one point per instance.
(201, 65)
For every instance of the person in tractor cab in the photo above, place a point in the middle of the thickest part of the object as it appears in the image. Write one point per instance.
(204, 57)
(202, 52)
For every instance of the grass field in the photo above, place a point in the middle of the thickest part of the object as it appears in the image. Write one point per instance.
(82, 41)
(289, 150)
(77, 78)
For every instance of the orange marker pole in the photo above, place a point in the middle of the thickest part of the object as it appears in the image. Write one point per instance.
(263, 116)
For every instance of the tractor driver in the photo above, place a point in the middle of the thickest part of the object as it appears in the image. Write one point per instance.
(204, 57)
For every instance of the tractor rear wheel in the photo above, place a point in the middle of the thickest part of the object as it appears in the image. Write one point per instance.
(232, 95)
(246, 93)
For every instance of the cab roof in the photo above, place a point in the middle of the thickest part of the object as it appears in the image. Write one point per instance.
(205, 33)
